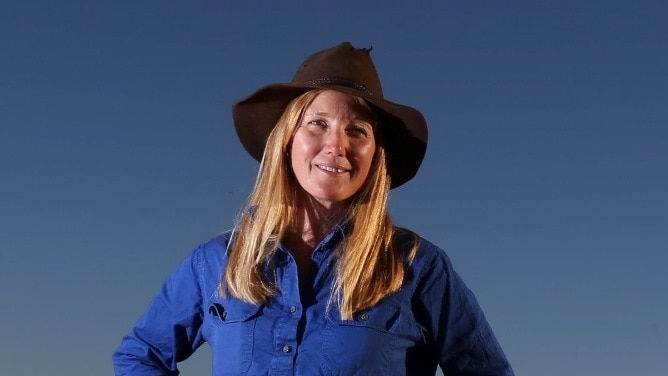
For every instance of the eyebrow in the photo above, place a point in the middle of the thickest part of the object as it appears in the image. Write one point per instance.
(358, 115)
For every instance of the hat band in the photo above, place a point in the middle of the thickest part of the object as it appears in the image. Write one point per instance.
(340, 82)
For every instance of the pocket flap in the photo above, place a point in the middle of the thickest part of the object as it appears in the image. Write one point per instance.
(233, 310)
(383, 317)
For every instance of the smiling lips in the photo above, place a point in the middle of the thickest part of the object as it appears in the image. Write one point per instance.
(331, 169)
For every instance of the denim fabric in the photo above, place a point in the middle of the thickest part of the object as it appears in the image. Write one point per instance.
(434, 320)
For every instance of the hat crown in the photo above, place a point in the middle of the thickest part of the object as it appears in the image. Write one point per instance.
(342, 65)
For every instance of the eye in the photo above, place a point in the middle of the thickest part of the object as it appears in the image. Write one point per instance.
(359, 131)
(317, 123)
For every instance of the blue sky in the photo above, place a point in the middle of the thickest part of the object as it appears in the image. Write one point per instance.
(545, 178)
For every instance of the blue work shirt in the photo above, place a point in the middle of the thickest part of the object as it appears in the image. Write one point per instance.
(432, 320)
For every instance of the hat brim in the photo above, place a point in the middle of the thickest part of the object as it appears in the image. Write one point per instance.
(404, 129)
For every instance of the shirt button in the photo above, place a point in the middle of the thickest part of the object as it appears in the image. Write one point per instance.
(287, 349)
(293, 309)
(364, 317)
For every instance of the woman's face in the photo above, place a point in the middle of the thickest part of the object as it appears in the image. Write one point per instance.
(333, 147)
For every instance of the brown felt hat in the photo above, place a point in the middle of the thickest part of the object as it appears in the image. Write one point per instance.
(349, 70)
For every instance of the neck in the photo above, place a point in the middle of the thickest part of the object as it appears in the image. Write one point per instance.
(315, 220)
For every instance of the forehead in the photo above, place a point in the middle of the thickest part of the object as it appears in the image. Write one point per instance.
(333, 102)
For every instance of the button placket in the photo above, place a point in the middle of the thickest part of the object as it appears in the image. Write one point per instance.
(286, 337)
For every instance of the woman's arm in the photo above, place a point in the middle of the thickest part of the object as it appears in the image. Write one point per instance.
(169, 331)
(461, 337)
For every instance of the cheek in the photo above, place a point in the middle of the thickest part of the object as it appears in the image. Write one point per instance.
(301, 154)
(366, 156)
(302, 147)
(364, 160)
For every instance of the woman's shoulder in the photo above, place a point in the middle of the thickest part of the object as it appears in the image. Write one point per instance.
(405, 239)
(214, 249)
(220, 240)
(426, 256)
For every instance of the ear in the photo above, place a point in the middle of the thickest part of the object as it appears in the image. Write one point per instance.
(288, 159)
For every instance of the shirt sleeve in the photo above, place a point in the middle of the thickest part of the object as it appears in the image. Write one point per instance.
(169, 331)
(455, 326)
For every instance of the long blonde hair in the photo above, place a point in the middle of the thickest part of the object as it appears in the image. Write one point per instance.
(369, 266)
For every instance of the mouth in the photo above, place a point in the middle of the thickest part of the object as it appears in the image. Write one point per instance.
(331, 169)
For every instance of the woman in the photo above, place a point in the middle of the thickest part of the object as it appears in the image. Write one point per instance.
(315, 279)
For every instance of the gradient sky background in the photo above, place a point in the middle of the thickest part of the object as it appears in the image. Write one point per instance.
(545, 180)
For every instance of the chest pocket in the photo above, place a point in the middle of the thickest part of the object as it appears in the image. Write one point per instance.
(367, 344)
(232, 324)
(383, 318)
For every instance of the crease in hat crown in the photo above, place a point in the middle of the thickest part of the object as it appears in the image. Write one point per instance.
(342, 65)
(349, 70)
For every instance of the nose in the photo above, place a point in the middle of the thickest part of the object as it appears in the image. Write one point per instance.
(337, 142)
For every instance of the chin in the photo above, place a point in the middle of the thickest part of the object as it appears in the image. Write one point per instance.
(332, 201)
